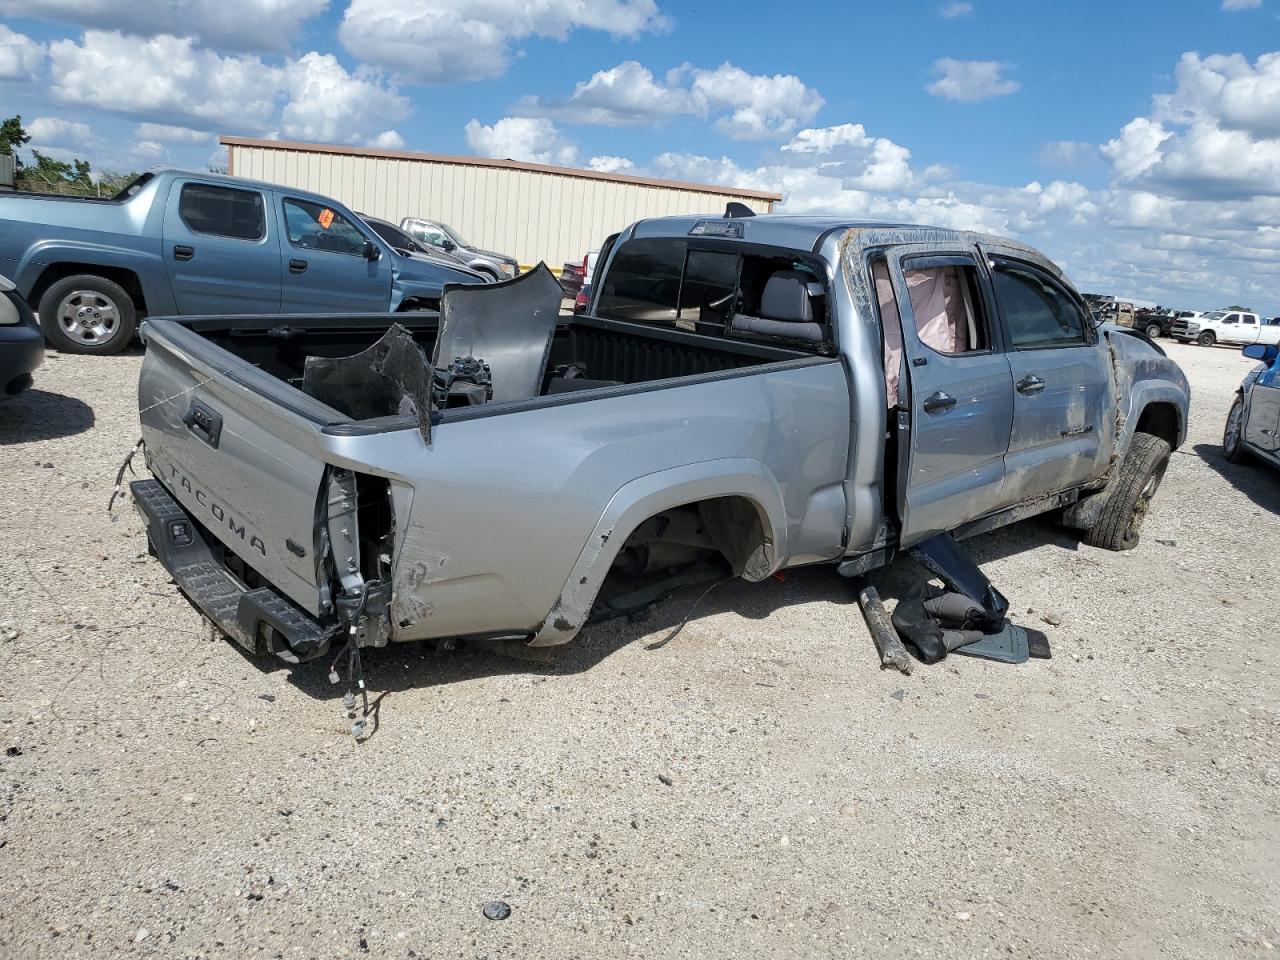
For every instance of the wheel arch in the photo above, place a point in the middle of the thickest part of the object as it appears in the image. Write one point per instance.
(1161, 419)
(746, 485)
(127, 279)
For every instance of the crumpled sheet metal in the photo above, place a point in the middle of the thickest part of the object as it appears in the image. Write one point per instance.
(391, 378)
(508, 325)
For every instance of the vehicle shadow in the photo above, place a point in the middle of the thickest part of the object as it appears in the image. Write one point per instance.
(1253, 478)
(402, 667)
(36, 415)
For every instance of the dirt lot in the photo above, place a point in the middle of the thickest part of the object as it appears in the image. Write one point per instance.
(757, 787)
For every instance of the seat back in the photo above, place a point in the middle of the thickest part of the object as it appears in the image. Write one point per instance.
(786, 309)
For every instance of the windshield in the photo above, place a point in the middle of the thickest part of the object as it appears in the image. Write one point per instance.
(1216, 315)
(454, 235)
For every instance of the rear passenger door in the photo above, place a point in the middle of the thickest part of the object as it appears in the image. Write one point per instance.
(221, 249)
(960, 393)
(1063, 424)
(324, 265)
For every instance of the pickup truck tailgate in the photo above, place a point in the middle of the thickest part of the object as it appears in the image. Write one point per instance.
(240, 451)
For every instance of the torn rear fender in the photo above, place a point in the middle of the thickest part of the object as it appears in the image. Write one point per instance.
(649, 495)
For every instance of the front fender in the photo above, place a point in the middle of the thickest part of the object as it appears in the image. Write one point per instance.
(641, 499)
(1143, 396)
(1144, 375)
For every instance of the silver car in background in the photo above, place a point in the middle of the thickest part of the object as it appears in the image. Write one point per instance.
(441, 236)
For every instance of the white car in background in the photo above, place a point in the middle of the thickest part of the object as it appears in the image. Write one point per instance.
(1225, 326)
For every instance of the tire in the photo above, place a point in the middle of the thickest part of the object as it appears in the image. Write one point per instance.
(1232, 448)
(87, 314)
(1153, 330)
(1207, 339)
(1120, 521)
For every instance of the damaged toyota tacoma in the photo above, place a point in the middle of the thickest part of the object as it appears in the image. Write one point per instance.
(744, 395)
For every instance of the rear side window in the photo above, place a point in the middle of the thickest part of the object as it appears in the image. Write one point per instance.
(1037, 312)
(643, 282)
(222, 211)
(317, 227)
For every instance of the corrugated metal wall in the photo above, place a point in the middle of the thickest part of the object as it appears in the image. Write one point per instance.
(531, 215)
(6, 172)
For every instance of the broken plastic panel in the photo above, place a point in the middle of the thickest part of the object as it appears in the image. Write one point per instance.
(943, 556)
(391, 378)
(508, 327)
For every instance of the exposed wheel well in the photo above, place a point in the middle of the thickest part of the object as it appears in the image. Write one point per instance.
(59, 271)
(1160, 420)
(733, 527)
(418, 303)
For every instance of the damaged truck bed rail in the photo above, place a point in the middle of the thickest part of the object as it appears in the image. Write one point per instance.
(502, 474)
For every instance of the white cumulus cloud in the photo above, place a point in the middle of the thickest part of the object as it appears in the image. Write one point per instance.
(171, 82)
(969, 81)
(531, 139)
(1217, 134)
(744, 106)
(20, 56)
(607, 164)
(57, 132)
(168, 133)
(450, 41)
(230, 24)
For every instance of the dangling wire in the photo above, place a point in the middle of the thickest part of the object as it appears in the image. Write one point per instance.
(119, 487)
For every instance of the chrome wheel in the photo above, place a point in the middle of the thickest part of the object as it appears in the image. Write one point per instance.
(88, 316)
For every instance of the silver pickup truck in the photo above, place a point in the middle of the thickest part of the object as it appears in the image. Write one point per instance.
(744, 395)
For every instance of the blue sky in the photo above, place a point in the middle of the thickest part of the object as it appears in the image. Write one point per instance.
(1139, 145)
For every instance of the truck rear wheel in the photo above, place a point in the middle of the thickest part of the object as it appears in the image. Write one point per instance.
(1136, 482)
(87, 314)
(1153, 330)
(1207, 339)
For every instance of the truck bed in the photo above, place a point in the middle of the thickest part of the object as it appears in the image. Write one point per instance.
(609, 353)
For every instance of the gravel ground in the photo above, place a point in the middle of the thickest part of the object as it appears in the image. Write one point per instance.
(756, 787)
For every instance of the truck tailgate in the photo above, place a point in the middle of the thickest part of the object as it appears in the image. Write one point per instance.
(240, 451)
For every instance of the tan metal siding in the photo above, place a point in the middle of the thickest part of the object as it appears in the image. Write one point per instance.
(529, 214)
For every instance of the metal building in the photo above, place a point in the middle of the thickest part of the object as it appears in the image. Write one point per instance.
(7, 165)
(528, 210)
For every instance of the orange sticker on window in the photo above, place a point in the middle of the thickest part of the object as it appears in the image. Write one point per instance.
(325, 218)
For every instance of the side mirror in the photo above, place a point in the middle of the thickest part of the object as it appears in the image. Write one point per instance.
(1266, 352)
(371, 251)
(448, 245)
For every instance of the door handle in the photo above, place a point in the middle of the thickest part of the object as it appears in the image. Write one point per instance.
(297, 266)
(938, 402)
(1030, 384)
(183, 252)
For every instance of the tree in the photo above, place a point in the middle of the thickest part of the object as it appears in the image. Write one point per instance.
(13, 136)
(76, 178)
(1236, 306)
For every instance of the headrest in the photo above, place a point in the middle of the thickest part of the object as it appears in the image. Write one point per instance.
(786, 297)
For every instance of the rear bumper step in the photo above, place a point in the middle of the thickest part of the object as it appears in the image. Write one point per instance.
(260, 620)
